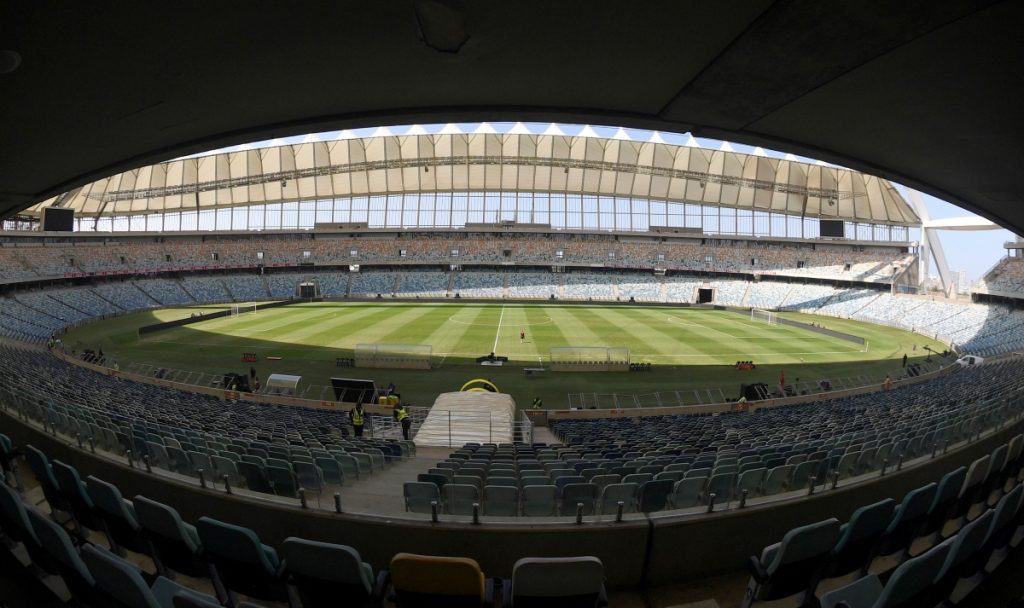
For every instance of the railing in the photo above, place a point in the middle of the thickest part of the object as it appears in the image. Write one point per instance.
(715, 396)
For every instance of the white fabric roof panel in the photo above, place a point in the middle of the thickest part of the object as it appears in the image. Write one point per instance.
(484, 161)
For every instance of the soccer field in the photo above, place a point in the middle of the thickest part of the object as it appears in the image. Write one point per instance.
(689, 347)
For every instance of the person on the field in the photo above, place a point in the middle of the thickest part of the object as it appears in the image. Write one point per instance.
(401, 416)
(358, 418)
(537, 403)
(522, 336)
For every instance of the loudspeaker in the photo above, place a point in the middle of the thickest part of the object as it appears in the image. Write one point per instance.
(57, 219)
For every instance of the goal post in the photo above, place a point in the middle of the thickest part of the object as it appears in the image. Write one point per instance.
(589, 359)
(393, 356)
(767, 316)
(237, 309)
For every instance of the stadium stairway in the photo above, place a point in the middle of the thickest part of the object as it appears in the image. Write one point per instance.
(459, 418)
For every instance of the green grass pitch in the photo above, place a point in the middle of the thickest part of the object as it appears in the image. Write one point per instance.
(690, 348)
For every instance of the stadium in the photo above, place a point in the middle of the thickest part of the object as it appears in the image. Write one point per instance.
(279, 354)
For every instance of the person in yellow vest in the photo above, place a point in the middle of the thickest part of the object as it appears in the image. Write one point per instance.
(358, 418)
(401, 415)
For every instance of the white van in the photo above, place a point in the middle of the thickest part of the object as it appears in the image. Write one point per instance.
(969, 360)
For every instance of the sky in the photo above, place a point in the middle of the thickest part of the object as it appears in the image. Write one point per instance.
(975, 252)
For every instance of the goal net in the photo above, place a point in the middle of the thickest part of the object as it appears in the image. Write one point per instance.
(237, 309)
(767, 316)
(394, 356)
(589, 358)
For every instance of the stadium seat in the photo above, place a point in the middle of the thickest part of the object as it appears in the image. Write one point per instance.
(858, 539)
(654, 495)
(946, 495)
(500, 501)
(309, 476)
(565, 582)
(539, 500)
(574, 494)
(349, 464)
(255, 477)
(605, 480)
(198, 461)
(1000, 533)
(961, 558)
(63, 557)
(904, 587)
(438, 480)
(158, 456)
(241, 562)
(419, 495)
(43, 472)
(721, 485)
(16, 526)
(422, 581)
(974, 484)
(176, 544)
(994, 479)
(118, 516)
(471, 480)
(327, 575)
(221, 466)
(282, 481)
(331, 470)
(459, 498)
(8, 460)
(793, 565)
(687, 492)
(178, 460)
(908, 521)
(121, 583)
(750, 480)
(614, 493)
(800, 478)
(777, 479)
(73, 490)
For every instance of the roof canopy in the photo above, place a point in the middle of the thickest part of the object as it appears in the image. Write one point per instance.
(484, 161)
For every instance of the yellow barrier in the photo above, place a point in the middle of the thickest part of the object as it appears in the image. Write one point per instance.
(485, 385)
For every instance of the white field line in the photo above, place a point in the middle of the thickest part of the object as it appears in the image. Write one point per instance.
(497, 334)
(445, 355)
(693, 356)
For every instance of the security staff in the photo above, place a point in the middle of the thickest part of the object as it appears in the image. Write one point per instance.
(402, 416)
(358, 418)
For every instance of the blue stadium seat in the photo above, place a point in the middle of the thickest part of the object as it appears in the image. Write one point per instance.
(566, 582)
(176, 544)
(419, 495)
(57, 545)
(858, 539)
(904, 587)
(118, 516)
(793, 565)
(327, 575)
(121, 583)
(241, 562)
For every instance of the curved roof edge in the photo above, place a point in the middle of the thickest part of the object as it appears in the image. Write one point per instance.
(485, 161)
